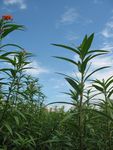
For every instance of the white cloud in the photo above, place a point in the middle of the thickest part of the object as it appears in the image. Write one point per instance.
(36, 69)
(107, 32)
(69, 16)
(20, 3)
(107, 46)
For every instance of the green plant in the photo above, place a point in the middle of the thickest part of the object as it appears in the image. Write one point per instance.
(105, 87)
(85, 55)
(26, 123)
(20, 94)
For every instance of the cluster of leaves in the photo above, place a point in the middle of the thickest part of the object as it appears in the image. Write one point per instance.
(93, 105)
(20, 94)
(27, 124)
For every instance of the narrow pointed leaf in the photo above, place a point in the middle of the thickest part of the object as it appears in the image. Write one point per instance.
(86, 45)
(8, 128)
(98, 88)
(98, 51)
(13, 45)
(73, 84)
(60, 102)
(108, 79)
(8, 53)
(96, 71)
(109, 83)
(67, 47)
(67, 76)
(9, 30)
(110, 93)
(66, 59)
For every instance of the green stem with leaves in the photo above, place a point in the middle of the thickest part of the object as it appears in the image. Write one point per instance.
(85, 55)
(106, 89)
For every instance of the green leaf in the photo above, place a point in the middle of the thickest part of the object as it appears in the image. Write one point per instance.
(109, 83)
(8, 53)
(98, 88)
(84, 64)
(101, 113)
(9, 30)
(83, 42)
(19, 136)
(97, 55)
(8, 128)
(13, 45)
(16, 120)
(60, 102)
(21, 114)
(95, 71)
(89, 40)
(73, 84)
(98, 51)
(68, 48)
(11, 25)
(5, 69)
(33, 140)
(110, 89)
(66, 59)
(13, 73)
(67, 76)
(7, 59)
(110, 93)
(86, 44)
(99, 82)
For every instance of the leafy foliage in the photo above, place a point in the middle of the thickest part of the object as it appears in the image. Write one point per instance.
(26, 123)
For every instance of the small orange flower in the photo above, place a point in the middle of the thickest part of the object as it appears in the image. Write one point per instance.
(7, 17)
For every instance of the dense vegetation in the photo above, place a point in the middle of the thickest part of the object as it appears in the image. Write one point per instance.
(27, 124)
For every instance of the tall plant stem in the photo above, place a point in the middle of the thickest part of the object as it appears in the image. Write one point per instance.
(81, 112)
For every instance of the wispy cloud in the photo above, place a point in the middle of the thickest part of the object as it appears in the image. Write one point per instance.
(107, 46)
(71, 16)
(36, 69)
(107, 32)
(68, 17)
(20, 3)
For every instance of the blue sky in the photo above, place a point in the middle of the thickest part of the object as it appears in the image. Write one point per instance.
(60, 21)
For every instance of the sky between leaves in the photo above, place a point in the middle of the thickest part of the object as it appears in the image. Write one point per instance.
(64, 22)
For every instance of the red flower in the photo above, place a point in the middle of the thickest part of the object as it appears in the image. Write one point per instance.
(7, 17)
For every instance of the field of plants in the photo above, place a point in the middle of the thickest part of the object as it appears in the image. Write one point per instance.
(26, 123)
